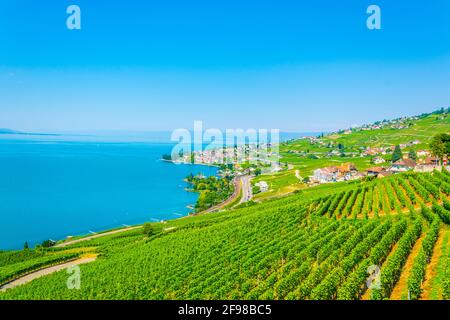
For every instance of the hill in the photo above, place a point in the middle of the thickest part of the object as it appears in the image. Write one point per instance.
(321, 242)
(318, 244)
(8, 131)
(303, 156)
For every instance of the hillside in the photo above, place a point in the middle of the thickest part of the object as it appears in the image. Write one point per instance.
(351, 146)
(317, 244)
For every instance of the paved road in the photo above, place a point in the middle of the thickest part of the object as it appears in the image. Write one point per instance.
(45, 271)
(237, 191)
(68, 243)
(247, 193)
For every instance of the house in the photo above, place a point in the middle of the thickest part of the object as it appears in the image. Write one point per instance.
(344, 172)
(356, 176)
(263, 186)
(325, 175)
(432, 161)
(383, 174)
(427, 168)
(403, 165)
(375, 171)
(423, 153)
(347, 167)
(378, 160)
(334, 153)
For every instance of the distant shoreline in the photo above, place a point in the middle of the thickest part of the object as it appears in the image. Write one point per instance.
(191, 164)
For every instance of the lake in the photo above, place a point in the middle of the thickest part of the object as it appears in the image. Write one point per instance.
(53, 189)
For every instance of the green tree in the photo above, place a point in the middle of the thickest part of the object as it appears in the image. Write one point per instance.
(25, 246)
(412, 155)
(440, 145)
(48, 243)
(256, 189)
(147, 229)
(397, 154)
(257, 171)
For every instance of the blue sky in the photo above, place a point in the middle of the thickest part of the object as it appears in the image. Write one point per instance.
(159, 65)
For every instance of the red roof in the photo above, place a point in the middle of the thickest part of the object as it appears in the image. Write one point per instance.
(375, 169)
(406, 163)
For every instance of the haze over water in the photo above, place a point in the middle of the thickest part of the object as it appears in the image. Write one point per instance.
(53, 186)
(52, 189)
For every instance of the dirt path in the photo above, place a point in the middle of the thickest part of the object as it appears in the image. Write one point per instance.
(368, 293)
(431, 269)
(68, 243)
(46, 271)
(400, 291)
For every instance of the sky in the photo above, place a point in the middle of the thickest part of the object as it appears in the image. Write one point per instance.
(310, 65)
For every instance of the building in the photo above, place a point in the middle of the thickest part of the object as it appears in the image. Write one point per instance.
(383, 174)
(434, 161)
(325, 175)
(403, 165)
(378, 160)
(263, 186)
(427, 168)
(343, 172)
(423, 153)
(374, 171)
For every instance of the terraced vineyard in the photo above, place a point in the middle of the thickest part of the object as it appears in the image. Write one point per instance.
(316, 245)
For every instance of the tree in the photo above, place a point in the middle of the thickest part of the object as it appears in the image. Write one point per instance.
(25, 246)
(397, 154)
(167, 157)
(412, 155)
(440, 145)
(148, 229)
(257, 171)
(256, 189)
(48, 243)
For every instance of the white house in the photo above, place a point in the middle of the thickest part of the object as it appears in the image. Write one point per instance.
(263, 186)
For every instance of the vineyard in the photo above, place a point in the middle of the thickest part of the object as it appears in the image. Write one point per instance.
(381, 239)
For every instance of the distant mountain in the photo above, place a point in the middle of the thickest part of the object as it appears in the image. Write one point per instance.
(9, 131)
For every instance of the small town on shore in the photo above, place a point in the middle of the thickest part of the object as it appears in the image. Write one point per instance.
(355, 161)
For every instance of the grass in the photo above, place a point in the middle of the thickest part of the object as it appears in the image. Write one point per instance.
(283, 183)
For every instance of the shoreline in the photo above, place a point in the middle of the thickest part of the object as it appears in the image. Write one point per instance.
(191, 164)
(104, 232)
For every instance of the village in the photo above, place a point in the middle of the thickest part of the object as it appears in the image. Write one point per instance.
(237, 160)
(348, 172)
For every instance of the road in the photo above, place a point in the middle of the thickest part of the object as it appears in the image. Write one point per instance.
(45, 271)
(247, 193)
(236, 192)
(240, 183)
(68, 243)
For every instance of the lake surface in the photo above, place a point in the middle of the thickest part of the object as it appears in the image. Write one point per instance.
(53, 189)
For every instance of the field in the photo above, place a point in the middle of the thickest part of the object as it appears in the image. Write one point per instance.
(316, 244)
